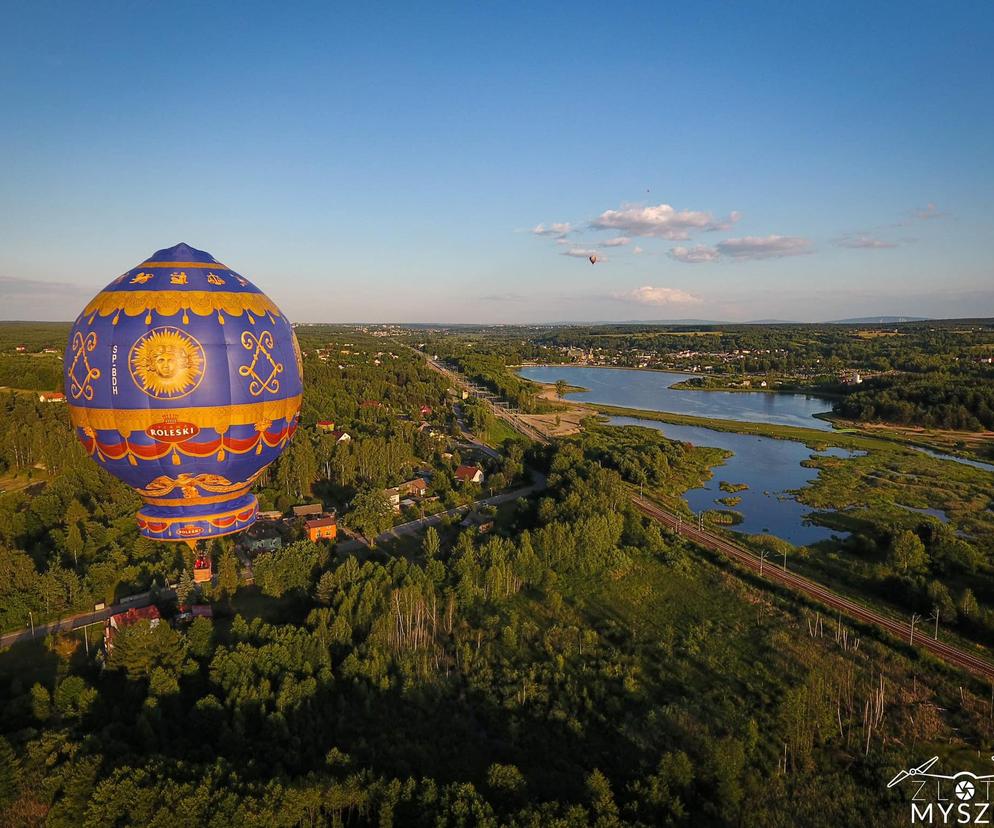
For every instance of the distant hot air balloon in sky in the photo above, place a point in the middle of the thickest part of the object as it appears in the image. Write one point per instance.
(184, 380)
(593, 258)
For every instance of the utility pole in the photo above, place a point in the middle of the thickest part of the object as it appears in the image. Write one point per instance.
(785, 559)
(915, 618)
(935, 617)
(762, 560)
(31, 618)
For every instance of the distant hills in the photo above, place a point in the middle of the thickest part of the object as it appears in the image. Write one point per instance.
(862, 320)
(878, 320)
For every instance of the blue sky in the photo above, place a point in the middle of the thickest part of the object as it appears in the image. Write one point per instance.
(392, 162)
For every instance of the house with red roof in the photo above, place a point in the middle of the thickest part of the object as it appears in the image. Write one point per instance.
(469, 474)
(323, 528)
(132, 616)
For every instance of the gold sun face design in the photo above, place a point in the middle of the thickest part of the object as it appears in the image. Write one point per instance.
(167, 363)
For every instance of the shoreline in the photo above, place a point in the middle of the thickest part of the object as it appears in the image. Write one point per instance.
(677, 386)
(814, 439)
(841, 429)
(799, 434)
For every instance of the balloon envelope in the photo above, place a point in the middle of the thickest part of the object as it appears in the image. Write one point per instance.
(184, 380)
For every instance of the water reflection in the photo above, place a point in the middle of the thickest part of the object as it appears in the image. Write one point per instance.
(650, 390)
(771, 469)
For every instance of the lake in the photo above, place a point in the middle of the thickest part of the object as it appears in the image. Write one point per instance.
(650, 390)
(769, 467)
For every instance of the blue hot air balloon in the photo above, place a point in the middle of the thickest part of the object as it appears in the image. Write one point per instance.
(184, 380)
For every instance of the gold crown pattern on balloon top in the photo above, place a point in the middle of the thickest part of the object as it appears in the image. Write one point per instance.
(194, 292)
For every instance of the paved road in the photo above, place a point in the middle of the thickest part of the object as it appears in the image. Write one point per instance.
(75, 622)
(412, 527)
(959, 656)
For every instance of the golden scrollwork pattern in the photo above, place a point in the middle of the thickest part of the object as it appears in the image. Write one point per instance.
(191, 485)
(82, 346)
(261, 347)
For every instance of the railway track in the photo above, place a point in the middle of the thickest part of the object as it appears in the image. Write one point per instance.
(743, 557)
(901, 630)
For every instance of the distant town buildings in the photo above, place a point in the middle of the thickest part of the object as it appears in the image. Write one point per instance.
(51, 396)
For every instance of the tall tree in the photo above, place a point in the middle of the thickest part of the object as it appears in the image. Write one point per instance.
(431, 544)
(371, 513)
(227, 573)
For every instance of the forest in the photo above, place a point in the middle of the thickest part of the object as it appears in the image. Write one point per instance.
(579, 668)
(939, 400)
(576, 666)
(927, 374)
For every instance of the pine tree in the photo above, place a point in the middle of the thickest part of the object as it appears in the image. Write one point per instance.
(10, 773)
(326, 588)
(431, 544)
(41, 702)
(227, 573)
(185, 588)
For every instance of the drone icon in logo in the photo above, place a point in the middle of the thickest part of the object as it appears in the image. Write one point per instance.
(965, 782)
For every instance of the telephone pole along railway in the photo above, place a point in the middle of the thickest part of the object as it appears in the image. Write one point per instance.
(742, 556)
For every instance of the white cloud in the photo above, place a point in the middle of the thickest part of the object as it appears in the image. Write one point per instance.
(555, 230)
(661, 221)
(764, 247)
(694, 255)
(581, 253)
(649, 295)
(862, 241)
(617, 242)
